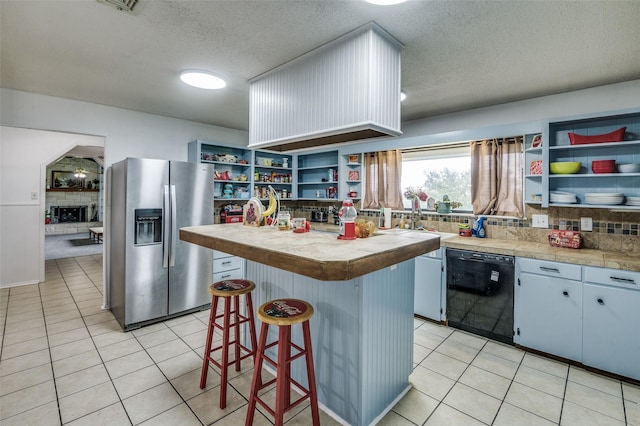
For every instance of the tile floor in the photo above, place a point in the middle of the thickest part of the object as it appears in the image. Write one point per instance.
(64, 360)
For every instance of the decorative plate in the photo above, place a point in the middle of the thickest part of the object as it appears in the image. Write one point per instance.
(537, 141)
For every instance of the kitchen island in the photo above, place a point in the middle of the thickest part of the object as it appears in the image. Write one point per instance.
(362, 293)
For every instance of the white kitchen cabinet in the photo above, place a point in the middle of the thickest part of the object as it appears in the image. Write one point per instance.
(548, 307)
(611, 324)
(429, 277)
(227, 267)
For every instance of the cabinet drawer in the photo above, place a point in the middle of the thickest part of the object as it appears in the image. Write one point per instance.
(613, 277)
(217, 254)
(235, 274)
(227, 263)
(550, 269)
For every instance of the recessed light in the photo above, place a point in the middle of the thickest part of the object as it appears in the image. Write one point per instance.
(385, 2)
(202, 79)
(403, 95)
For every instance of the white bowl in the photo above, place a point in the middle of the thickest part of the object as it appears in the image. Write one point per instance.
(629, 168)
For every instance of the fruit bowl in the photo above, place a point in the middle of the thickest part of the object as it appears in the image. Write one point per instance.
(629, 168)
(565, 167)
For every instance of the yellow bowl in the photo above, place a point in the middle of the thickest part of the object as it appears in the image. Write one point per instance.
(565, 167)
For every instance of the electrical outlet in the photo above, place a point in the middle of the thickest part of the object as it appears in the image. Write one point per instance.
(540, 221)
(34, 195)
(586, 224)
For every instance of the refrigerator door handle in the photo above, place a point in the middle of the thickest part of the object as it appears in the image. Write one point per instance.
(166, 224)
(174, 227)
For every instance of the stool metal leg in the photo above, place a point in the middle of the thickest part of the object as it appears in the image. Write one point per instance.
(311, 375)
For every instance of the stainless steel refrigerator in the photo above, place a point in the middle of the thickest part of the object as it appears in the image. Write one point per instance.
(154, 275)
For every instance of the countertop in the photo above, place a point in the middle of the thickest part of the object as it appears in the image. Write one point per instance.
(316, 254)
(588, 257)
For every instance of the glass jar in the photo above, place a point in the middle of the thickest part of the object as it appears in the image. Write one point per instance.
(283, 219)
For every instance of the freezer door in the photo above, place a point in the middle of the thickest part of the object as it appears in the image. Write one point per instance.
(146, 279)
(191, 266)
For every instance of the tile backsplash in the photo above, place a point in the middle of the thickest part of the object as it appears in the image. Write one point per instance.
(616, 231)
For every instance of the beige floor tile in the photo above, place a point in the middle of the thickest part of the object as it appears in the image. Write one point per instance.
(632, 412)
(91, 308)
(53, 330)
(24, 362)
(88, 401)
(179, 365)
(595, 400)
(269, 398)
(68, 336)
(149, 329)
(540, 380)
(426, 339)
(27, 399)
(113, 414)
(390, 419)
(420, 353)
(139, 381)
(472, 402)
(510, 415)
(595, 381)
(128, 364)
(71, 349)
(156, 338)
(111, 338)
(151, 402)
(168, 350)
(178, 415)
(239, 416)
(23, 336)
(577, 415)
(98, 318)
(416, 406)
(76, 363)
(458, 351)
(44, 415)
(447, 416)
(188, 327)
(34, 314)
(120, 349)
(81, 380)
(468, 339)
(23, 348)
(557, 368)
(504, 351)
(25, 378)
(534, 401)
(631, 392)
(188, 385)
(485, 381)
(23, 325)
(109, 326)
(433, 384)
(242, 383)
(497, 365)
(61, 317)
(206, 405)
(179, 320)
(196, 341)
(445, 365)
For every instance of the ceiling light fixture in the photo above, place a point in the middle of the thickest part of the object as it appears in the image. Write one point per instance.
(403, 95)
(202, 79)
(80, 172)
(385, 2)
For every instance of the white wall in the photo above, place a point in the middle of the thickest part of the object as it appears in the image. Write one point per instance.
(125, 133)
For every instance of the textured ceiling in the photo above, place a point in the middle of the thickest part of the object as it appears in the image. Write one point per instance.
(458, 54)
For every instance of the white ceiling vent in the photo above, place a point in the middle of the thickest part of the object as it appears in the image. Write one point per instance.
(345, 90)
(124, 5)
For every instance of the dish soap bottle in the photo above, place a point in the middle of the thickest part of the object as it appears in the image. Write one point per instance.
(480, 231)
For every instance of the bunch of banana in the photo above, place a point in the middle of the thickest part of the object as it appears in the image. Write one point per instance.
(273, 204)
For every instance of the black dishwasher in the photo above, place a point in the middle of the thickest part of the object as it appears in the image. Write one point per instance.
(480, 293)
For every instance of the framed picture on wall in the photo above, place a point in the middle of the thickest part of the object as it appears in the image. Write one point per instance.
(60, 179)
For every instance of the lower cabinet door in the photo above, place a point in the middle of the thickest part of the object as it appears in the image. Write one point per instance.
(611, 329)
(428, 287)
(549, 315)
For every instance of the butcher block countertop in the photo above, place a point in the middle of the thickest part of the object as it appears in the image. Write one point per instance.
(587, 257)
(315, 254)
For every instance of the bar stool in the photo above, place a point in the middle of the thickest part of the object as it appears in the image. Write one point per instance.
(230, 291)
(284, 313)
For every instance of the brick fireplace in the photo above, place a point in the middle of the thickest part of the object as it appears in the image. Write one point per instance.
(68, 214)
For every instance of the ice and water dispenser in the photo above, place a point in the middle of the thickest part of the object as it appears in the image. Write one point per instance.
(148, 226)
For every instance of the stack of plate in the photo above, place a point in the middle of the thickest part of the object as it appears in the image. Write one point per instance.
(633, 201)
(562, 197)
(607, 198)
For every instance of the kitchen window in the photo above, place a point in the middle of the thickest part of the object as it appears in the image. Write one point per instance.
(440, 170)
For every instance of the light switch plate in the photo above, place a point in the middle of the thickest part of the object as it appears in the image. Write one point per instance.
(540, 221)
(34, 195)
(586, 224)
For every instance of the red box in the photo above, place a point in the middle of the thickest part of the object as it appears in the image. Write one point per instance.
(233, 219)
(536, 167)
(568, 239)
(615, 136)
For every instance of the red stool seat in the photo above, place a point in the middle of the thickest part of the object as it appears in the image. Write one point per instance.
(230, 291)
(284, 313)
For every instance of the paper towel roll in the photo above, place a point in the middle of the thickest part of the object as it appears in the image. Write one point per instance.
(387, 217)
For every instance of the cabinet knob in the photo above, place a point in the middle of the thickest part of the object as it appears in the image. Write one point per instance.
(565, 293)
(600, 301)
